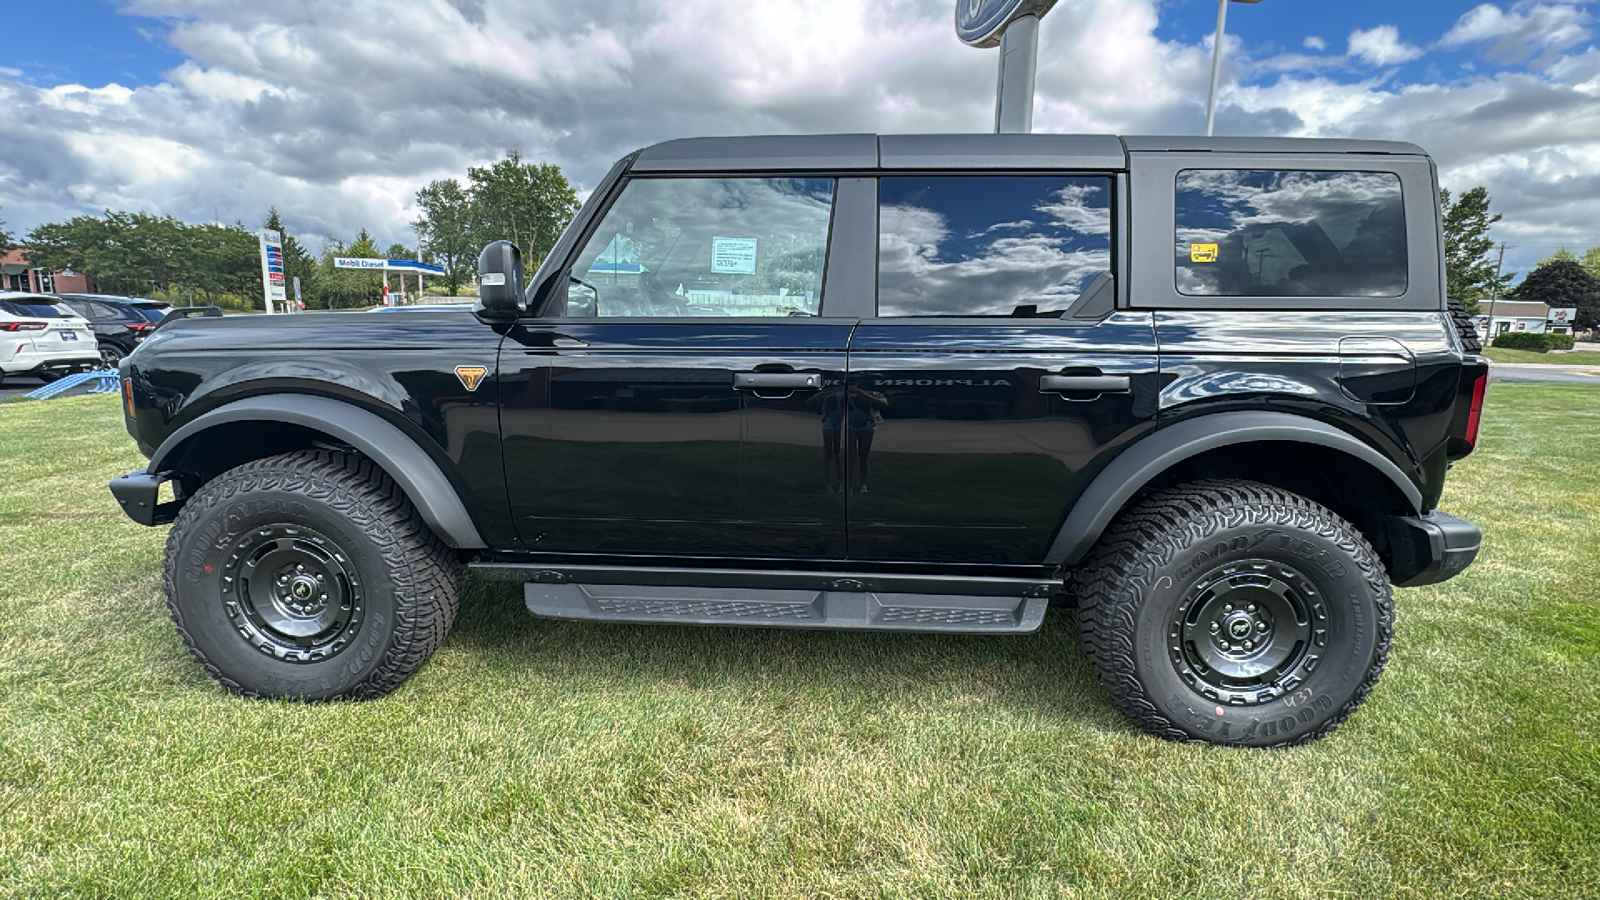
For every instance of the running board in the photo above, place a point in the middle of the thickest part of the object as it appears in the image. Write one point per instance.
(780, 599)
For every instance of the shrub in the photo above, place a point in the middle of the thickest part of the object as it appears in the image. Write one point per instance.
(1527, 340)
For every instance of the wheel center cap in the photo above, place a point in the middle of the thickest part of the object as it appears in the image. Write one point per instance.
(302, 588)
(1239, 628)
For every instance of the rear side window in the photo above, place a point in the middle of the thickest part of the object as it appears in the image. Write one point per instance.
(685, 247)
(37, 309)
(1290, 233)
(990, 245)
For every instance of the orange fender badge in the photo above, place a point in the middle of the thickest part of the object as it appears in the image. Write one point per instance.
(471, 376)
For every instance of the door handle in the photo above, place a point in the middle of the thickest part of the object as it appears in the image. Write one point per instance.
(788, 381)
(566, 343)
(1098, 384)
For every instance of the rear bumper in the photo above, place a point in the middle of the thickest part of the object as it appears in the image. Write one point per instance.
(1430, 549)
(31, 359)
(138, 495)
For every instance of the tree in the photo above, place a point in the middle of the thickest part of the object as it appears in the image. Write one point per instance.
(526, 203)
(446, 230)
(5, 237)
(1564, 283)
(1562, 254)
(1591, 262)
(398, 251)
(1469, 267)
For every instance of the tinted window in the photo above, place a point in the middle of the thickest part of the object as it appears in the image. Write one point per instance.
(157, 313)
(110, 312)
(990, 245)
(707, 247)
(1267, 233)
(38, 309)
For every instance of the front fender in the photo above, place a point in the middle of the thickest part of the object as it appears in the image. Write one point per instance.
(423, 481)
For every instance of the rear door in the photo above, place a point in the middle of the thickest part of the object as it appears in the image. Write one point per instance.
(984, 395)
(672, 403)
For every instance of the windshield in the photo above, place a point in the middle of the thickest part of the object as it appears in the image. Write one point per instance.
(37, 309)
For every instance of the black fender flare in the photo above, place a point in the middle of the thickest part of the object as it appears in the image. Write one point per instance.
(393, 450)
(1169, 445)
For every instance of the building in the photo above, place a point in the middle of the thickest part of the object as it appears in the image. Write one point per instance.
(17, 275)
(1513, 315)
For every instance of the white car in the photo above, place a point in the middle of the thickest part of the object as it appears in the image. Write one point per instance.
(40, 335)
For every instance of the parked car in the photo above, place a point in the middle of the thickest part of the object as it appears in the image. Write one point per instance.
(120, 323)
(1206, 390)
(41, 336)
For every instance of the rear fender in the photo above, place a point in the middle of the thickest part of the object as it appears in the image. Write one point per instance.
(1167, 446)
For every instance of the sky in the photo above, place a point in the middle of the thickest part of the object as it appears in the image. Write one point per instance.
(337, 113)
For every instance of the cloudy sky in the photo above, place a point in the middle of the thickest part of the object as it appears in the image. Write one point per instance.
(337, 112)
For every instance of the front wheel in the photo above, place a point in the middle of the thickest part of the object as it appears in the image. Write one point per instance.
(1237, 613)
(110, 355)
(308, 575)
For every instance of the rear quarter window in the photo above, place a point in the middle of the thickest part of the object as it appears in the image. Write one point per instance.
(36, 309)
(1289, 233)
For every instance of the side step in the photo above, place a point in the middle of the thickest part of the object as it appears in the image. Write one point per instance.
(780, 599)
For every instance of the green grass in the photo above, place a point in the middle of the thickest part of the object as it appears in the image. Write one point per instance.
(539, 758)
(1570, 358)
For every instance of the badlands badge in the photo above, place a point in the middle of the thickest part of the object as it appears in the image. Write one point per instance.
(471, 376)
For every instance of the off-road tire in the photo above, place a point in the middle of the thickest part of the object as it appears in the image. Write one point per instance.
(342, 515)
(1145, 616)
(1465, 327)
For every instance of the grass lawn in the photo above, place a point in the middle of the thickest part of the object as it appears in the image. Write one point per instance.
(1571, 358)
(539, 758)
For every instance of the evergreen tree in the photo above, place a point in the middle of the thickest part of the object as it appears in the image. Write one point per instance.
(1469, 262)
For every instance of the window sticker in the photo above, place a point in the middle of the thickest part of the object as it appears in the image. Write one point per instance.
(733, 255)
(1203, 253)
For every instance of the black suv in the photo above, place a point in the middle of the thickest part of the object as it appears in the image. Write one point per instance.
(1205, 390)
(120, 323)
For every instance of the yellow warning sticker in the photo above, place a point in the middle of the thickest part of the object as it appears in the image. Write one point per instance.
(1202, 252)
(471, 376)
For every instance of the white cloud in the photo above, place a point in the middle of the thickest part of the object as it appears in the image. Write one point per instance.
(305, 105)
(1529, 29)
(1382, 46)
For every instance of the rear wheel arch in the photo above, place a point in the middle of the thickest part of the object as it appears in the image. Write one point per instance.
(1295, 453)
(267, 425)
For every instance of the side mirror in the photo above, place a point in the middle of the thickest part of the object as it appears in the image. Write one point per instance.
(500, 278)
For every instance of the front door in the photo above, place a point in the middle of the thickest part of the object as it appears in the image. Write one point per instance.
(976, 411)
(673, 406)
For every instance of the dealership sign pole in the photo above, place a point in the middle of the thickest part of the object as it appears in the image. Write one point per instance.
(1013, 26)
(272, 270)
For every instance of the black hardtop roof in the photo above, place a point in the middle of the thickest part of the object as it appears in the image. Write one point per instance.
(962, 151)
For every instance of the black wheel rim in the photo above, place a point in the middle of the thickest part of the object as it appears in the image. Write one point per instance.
(292, 592)
(110, 356)
(1248, 632)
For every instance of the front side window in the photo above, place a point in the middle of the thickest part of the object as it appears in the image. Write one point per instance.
(990, 245)
(683, 247)
(1290, 233)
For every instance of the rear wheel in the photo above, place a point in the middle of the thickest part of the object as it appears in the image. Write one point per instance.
(1234, 612)
(308, 575)
(110, 355)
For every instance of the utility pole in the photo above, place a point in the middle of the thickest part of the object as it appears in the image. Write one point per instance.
(1495, 293)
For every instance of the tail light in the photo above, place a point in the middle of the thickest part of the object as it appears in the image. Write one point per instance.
(1480, 388)
(22, 326)
(139, 328)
